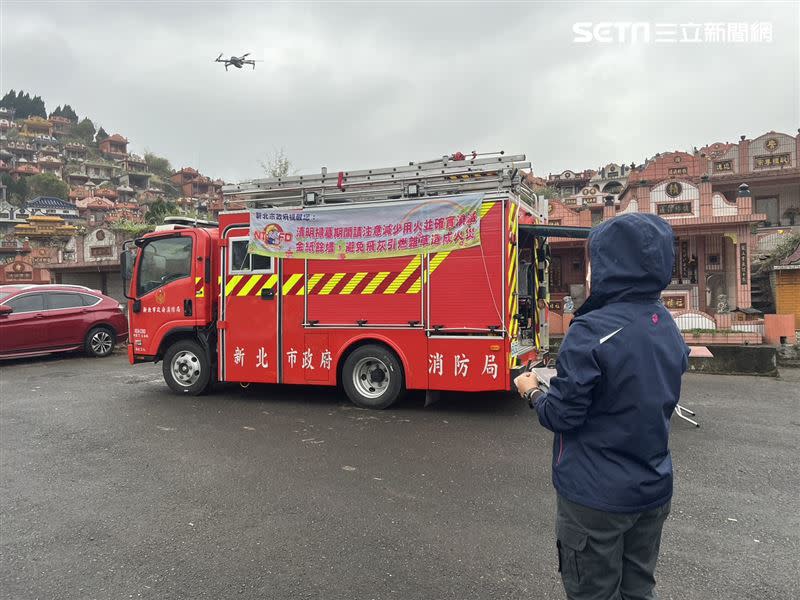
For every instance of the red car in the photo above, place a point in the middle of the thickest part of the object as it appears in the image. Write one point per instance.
(40, 319)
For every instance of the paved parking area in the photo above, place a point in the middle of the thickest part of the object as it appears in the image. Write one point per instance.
(111, 487)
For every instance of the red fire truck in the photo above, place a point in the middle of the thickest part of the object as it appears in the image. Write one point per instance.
(459, 319)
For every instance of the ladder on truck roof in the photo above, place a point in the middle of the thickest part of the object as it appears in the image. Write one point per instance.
(454, 174)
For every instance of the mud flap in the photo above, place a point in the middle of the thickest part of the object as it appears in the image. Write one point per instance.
(431, 397)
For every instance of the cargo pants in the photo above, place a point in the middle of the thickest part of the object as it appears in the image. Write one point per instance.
(608, 556)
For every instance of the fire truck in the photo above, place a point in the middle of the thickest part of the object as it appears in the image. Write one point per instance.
(458, 319)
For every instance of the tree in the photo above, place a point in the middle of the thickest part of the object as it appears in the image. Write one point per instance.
(546, 192)
(84, 131)
(38, 108)
(23, 105)
(158, 210)
(101, 135)
(158, 165)
(17, 190)
(66, 112)
(47, 184)
(276, 164)
(69, 113)
(9, 100)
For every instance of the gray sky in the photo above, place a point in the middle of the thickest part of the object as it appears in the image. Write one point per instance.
(358, 85)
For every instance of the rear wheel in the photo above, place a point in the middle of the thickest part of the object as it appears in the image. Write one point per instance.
(372, 377)
(186, 368)
(99, 342)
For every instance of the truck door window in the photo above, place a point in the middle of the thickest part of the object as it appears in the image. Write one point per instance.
(244, 262)
(164, 260)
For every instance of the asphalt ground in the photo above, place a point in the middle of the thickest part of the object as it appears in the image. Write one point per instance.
(112, 487)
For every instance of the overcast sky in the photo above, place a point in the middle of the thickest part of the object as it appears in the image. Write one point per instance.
(358, 85)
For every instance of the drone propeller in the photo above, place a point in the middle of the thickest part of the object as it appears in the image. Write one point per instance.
(220, 56)
(245, 55)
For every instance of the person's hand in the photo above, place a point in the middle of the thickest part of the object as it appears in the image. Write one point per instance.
(526, 382)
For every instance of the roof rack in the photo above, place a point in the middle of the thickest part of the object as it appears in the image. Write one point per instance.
(184, 222)
(452, 174)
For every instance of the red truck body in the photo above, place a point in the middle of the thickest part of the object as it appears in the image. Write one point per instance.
(451, 319)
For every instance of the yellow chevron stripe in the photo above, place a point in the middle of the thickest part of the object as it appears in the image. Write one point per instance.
(273, 279)
(328, 287)
(404, 274)
(354, 281)
(433, 264)
(251, 283)
(486, 207)
(232, 283)
(219, 279)
(437, 259)
(312, 281)
(512, 270)
(376, 281)
(290, 283)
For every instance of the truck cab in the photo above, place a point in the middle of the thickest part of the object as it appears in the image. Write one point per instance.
(171, 298)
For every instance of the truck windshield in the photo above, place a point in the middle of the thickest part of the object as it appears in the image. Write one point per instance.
(163, 260)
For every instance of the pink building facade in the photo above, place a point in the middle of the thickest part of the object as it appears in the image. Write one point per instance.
(724, 202)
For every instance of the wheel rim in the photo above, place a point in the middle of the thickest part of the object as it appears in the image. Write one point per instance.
(101, 342)
(371, 377)
(185, 368)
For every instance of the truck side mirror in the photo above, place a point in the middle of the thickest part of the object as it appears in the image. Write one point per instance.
(126, 271)
(125, 266)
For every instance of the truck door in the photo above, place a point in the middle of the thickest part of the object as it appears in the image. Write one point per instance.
(250, 309)
(164, 287)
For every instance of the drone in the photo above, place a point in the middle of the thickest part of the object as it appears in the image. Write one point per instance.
(237, 61)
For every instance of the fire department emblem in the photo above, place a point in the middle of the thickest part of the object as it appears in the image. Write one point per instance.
(161, 296)
(273, 236)
(771, 144)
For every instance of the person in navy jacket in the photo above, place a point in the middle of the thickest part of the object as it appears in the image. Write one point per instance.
(618, 379)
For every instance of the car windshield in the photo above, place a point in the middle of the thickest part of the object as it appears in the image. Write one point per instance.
(4, 295)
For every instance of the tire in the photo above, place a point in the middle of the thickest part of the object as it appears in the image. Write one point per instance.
(100, 341)
(372, 377)
(186, 368)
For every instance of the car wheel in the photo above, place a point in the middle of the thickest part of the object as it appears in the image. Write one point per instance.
(372, 377)
(186, 368)
(99, 342)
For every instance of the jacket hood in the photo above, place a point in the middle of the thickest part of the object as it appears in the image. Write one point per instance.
(631, 259)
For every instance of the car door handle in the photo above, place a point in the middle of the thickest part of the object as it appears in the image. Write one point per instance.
(38, 316)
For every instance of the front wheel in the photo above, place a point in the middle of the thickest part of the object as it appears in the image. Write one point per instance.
(372, 377)
(99, 342)
(186, 368)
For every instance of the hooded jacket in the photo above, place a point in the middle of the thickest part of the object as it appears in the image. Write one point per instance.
(618, 374)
